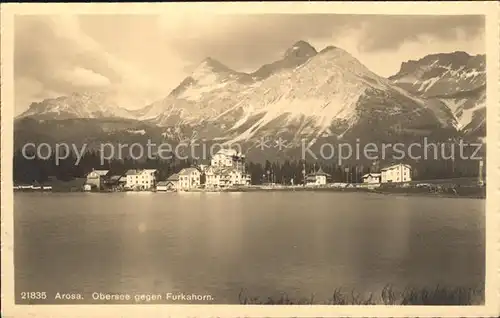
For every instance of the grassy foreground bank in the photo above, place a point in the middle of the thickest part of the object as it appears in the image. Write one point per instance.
(387, 296)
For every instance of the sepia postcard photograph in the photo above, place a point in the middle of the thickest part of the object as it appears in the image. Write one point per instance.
(250, 159)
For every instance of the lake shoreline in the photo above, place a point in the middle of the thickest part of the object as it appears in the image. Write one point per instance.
(459, 192)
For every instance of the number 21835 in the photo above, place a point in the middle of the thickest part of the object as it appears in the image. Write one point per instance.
(33, 295)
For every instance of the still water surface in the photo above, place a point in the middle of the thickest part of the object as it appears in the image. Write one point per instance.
(265, 242)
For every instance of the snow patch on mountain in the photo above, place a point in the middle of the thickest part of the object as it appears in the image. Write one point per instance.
(427, 84)
(304, 94)
(465, 107)
(456, 79)
(137, 132)
(443, 73)
(196, 93)
(325, 89)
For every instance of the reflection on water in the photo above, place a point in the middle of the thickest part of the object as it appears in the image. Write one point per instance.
(300, 243)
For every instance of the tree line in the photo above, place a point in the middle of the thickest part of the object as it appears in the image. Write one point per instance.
(27, 171)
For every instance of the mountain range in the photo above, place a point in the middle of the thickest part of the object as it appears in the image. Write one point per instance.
(305, 95)
(457, 79)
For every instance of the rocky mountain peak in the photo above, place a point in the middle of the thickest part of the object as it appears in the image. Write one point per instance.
(301, 49)
(82, 104)
(451, 60)
(457, 79)
(328, 48)
(294, 56)
(303, 93)
(212, 65)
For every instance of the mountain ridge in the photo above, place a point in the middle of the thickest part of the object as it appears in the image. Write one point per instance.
(305, 94)
(456, 79)
(77, 105)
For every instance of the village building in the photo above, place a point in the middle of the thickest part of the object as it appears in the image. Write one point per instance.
(171, 184)
(223, 177)
(161, 186)
(140, 179)
(228, 158)
(223, 158)
(189, 178)
(203, 167)
(123, 180)
(227, 168)
(212, 177)
(97, 178)
(371, 177)
(396, 173)
(115, 182)
(318, 177)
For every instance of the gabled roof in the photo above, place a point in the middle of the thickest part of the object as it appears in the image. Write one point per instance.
(395, 166)
(227, 152)
(174, 177)
(115, 178)
(371, 174)
(100, 172)
(162, 183)
(319, 172)
(132, 172)
(187, 171)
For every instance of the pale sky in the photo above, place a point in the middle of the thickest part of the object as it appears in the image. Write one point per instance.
(142, 57)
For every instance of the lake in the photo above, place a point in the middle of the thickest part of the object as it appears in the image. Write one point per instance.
(266, 243)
